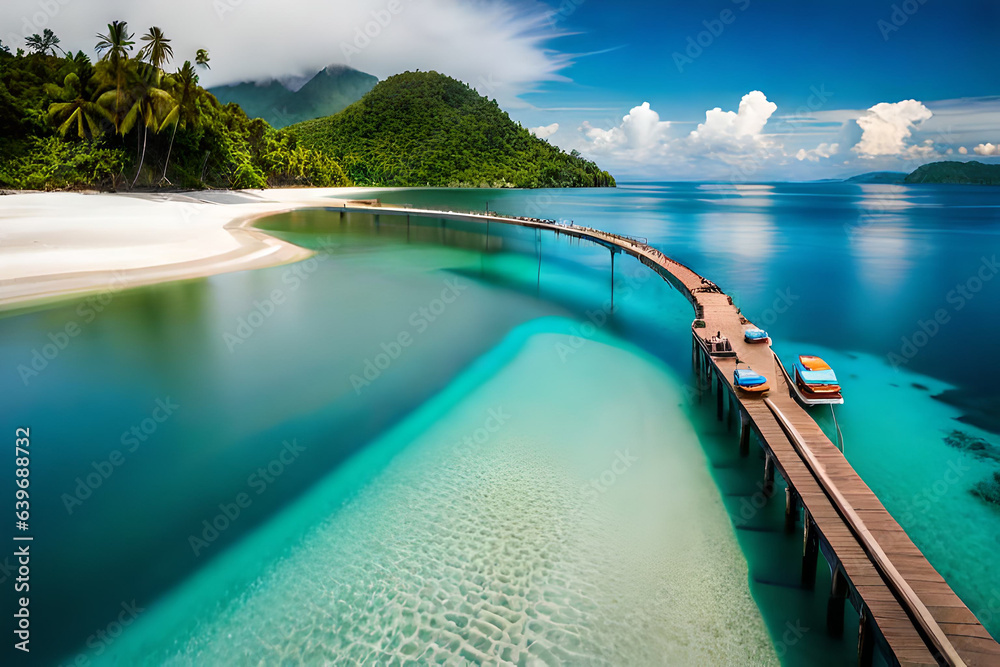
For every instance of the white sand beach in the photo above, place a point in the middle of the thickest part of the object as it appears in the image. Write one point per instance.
(58, 243)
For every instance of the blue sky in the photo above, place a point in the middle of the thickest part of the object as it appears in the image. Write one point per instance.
(714, 89)
(823, 65)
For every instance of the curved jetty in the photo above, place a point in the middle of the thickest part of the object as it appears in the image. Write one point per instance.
(908, 612)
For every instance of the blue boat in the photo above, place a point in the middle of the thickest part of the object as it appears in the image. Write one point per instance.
(756, 336)
(750, 381)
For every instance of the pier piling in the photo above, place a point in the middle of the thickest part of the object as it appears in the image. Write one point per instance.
(810, 551)
(835, 605)
(744, 434)
(791, 509)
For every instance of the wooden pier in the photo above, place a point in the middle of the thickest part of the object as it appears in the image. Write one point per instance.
(908, 613)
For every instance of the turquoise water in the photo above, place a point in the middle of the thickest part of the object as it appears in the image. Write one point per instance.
(334, 420)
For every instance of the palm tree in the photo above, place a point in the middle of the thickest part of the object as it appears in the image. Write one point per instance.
(201, 58)
(43, 43)
(115, 47)
(157, 51)
(184, 86)
(151, 103)
(75, 109)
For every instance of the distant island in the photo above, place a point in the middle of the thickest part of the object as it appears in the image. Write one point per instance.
(962, 173)
(971, 173)
(283, 103)
(428, 129)
(878, 177)
(133, 120)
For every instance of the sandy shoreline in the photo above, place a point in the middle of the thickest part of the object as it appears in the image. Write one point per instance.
(55, 244)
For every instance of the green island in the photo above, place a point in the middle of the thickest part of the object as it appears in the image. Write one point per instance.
(130, 120)
(428, 129)
(970, 173)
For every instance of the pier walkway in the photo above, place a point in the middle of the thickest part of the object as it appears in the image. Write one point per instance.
(908, 613)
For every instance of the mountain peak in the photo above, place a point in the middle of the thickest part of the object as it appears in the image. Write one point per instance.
(294, 98)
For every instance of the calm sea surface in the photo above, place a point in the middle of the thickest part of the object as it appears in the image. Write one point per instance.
(423, 444)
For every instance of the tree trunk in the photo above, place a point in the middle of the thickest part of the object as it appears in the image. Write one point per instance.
(169, 149)
(141, 157)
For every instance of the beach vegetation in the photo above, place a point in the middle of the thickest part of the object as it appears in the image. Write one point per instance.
(131, 119)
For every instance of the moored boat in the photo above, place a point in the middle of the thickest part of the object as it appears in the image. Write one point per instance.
(755, 335)
(815, 383)
(750, 381)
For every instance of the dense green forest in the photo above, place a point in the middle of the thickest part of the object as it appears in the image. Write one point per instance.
(424, 128)
(130, 120)
(974, 173)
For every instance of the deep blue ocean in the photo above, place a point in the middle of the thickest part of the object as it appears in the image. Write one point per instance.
(423, 444)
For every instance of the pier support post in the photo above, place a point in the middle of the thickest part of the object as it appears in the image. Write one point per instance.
(612, 282)
(729, 411)
(718, 395)
(866, 640)
(835, 605)
(810, 551)
(744, 434)
(768, 476)
(791, 509)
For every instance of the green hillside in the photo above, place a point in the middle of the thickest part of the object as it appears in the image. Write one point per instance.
(974, 173)
(424, 128)
(135, 119)
(329, 91)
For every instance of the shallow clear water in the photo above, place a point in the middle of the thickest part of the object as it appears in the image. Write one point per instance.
(375, 533)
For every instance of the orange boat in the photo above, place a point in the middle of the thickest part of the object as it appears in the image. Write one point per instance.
(815, 382)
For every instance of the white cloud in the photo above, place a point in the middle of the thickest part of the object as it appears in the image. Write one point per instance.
(497, 46)
(747, 122)
(824, 150)
(963, 150)
(640, 132)
(987, 149)
(887, 125)
(545, 131)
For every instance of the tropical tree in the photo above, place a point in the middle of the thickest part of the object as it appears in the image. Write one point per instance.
(150, 105)
(157, 50)
(184, 87)
(43, 43)
(115, 47)
(201, 58)
(74, 110)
